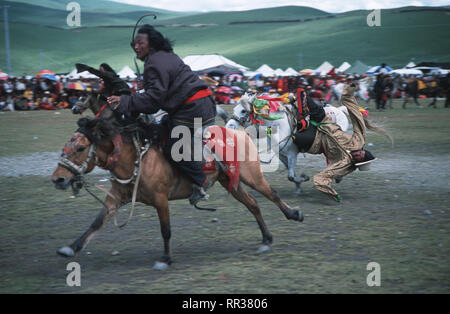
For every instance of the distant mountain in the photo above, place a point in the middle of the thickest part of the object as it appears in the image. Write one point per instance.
(290, 36)
(99, 6)
(93, 13)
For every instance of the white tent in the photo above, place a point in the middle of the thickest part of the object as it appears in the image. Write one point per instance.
(324, 68)
(75, 76)
(211, 63)
(249, 73)
(279, 72)
(407, 72)
(72, 75)
(265, 70)
(343, 67)
(87, 75)
(127, 72)
(291, 72)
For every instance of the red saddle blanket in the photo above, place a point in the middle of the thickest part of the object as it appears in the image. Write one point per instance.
(223, 143)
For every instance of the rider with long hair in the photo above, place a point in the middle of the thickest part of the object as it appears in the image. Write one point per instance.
(172, 86)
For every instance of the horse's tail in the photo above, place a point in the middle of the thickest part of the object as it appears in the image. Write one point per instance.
(377, 129)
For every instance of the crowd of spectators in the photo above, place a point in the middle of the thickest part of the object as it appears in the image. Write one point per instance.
(34, 93)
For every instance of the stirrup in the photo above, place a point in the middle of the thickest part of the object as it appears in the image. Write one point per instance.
(198, 194)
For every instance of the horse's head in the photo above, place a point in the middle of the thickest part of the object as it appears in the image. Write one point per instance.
(241, 113)
(82, 104)
(81, 153)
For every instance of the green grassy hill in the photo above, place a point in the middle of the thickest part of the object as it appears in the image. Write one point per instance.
(99, 6)
(93, 13)
(405, 33)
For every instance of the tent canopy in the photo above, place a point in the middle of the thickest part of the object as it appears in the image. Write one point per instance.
(214, 62)
(358, 68)
(74, 75)
(324, 68)
(343, 67)
(127, 72)
(407, 72)
(279, 72)
(265, 70)
(291, 72)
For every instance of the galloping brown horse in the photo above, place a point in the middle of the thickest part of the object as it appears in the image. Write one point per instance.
(94, 143)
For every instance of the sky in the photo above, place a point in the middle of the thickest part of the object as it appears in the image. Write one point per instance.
(332, 6)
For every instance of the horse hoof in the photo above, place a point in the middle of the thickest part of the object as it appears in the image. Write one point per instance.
(304, 177)
(66, 252)
(160, 266)
(297, 215)
(263, 248)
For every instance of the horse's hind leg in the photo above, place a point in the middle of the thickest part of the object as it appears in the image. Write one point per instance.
(250, 202)
(256, 181)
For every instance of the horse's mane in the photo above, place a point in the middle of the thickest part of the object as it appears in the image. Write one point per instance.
(98, 129)
(152, 132)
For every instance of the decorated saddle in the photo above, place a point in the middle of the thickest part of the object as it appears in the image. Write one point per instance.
(221, 145)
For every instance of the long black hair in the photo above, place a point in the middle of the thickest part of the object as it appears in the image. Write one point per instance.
(155, 39)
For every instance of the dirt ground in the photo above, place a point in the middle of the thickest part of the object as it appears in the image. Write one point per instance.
(397, 215)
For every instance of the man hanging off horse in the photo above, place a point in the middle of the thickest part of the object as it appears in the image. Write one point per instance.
(172, 86)
(343, 150)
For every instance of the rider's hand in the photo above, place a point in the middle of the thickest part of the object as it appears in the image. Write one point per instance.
(114, 101)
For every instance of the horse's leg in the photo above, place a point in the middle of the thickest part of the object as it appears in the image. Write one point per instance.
(250, 202)
(255, 179)
(284, 159)
(162, 207)
(289, 159)
(433, 103)
(415, 96)
(405, 101)
(99, 222)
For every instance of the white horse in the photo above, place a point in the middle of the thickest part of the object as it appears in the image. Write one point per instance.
(287, 149)
(157, 117)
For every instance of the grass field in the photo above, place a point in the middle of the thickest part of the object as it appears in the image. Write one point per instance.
(404, 35)
(397, 215)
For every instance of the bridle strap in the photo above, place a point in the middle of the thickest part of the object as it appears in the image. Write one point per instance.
(74, 168)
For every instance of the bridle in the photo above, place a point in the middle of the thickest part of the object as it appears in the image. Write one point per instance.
(78, 170)
(78, 181)
(83, 106)
(86, 104)
(241, 120)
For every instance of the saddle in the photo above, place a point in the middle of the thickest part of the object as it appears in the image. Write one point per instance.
(222, 146)
(219, 143)
(305, 138)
